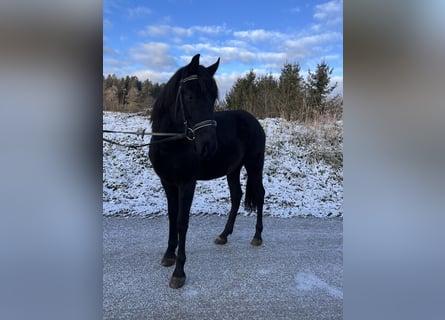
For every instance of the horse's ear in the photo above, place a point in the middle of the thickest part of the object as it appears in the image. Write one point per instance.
(194, 64)
(212, 69)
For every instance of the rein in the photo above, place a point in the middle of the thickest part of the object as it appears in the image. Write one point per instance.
(189, 132)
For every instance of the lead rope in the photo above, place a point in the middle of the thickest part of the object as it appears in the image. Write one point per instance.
(188, 133)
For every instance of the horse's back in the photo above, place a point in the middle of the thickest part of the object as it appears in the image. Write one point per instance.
(242, 124)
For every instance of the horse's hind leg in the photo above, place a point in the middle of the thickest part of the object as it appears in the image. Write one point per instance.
(255, 196)
(257, 240)
(235, 196)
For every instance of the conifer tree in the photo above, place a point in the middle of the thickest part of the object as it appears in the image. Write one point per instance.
(291, 89)
(242, 94)
(266, 98)
(318, 86)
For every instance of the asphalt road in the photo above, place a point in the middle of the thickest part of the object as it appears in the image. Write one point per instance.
(297, 273)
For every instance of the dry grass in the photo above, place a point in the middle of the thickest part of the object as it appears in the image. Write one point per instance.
(318, 140)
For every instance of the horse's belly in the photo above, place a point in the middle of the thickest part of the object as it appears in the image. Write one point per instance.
(182, 166)
(217, 167)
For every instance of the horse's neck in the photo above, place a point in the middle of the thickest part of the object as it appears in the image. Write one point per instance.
(165, 124)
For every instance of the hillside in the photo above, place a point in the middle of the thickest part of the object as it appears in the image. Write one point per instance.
(303, 172)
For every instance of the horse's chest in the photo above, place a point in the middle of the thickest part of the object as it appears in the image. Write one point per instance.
(174, 167)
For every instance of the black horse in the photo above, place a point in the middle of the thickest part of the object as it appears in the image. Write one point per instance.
(203, 145)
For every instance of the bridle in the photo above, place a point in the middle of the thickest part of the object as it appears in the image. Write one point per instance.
(189, 132)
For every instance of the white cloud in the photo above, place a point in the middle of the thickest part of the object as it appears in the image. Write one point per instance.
(286, 46)
(305, 46)
(191, 48)
(225, 82)
(166, 30)
(328, 10)
(334, 21)
(153, 54)
(259, 35)
(316, 27)
(107, 24)
(139, 11)
(332, 57)
(272, 56)
(113, 62)
(153, 75)
(233, 53)
(229, 53)
(107, 51)
(238, 43)
(211, 30)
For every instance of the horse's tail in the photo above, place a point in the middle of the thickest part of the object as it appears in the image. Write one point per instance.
(254, 164)
(254, 199)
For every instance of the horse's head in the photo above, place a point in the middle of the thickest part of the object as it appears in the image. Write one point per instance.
(196, 96)
(187, 104)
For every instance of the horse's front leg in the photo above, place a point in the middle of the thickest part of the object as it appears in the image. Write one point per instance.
(171, 192)
(185, 194)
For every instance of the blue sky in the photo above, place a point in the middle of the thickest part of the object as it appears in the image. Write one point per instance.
(152, 39)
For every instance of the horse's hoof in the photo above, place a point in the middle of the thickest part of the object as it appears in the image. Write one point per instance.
(220, 240)
(167, 262)
(256, 242)
(177, 282)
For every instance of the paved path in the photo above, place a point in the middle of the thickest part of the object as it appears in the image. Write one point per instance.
(296, 274)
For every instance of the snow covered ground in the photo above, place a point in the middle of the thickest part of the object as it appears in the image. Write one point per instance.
(303, 172)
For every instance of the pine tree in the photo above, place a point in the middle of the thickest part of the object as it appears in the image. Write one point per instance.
(156, 89)
(267, 96)
(318, 86)
(291, 90)
(243, 93)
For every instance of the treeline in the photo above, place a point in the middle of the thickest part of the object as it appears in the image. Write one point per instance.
(129, 94)
(290, 96)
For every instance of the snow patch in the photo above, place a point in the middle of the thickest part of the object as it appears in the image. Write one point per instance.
(307, 282)
(303, 173)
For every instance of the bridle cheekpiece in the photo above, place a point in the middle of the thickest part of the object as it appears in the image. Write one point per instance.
(189, 132)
